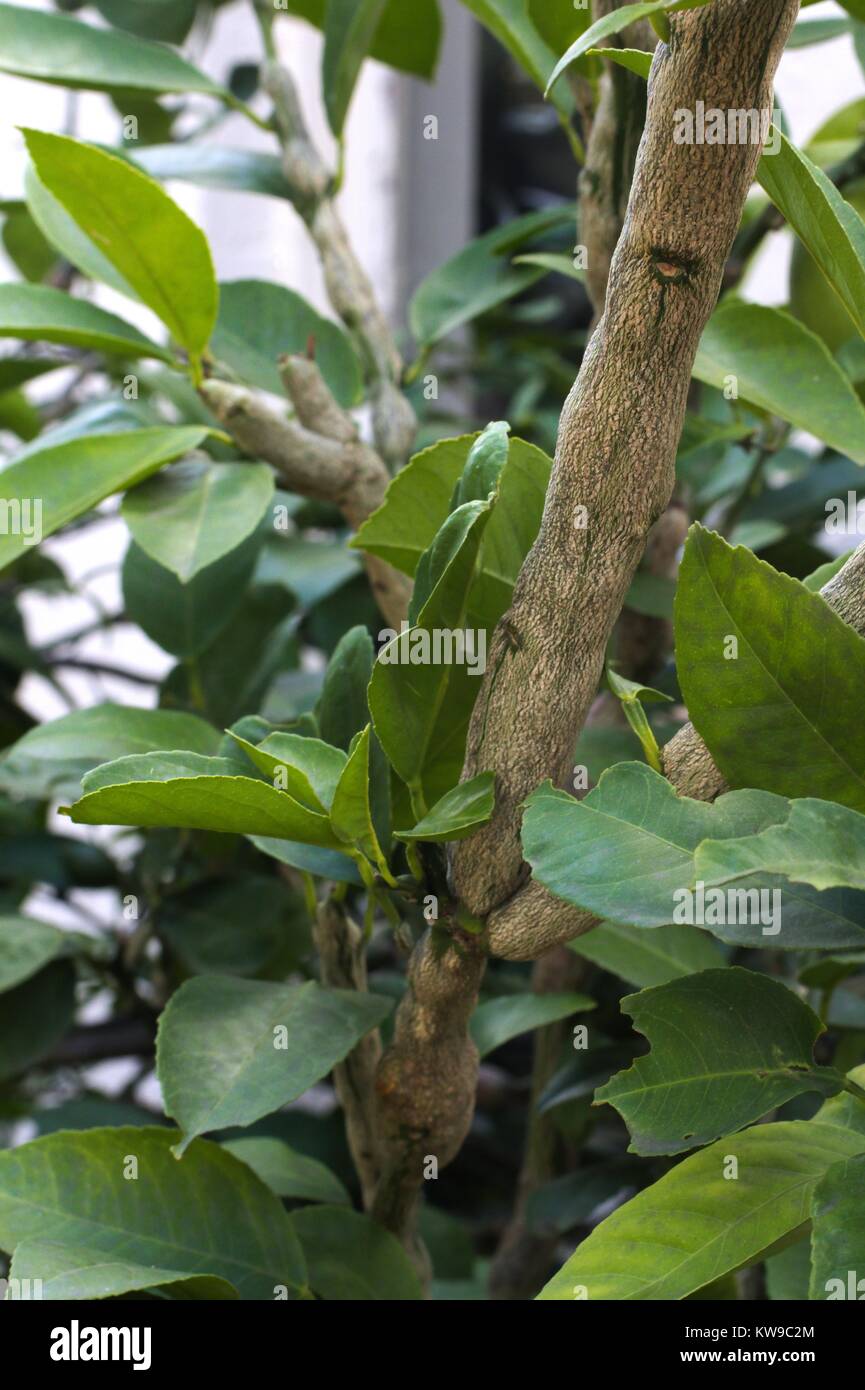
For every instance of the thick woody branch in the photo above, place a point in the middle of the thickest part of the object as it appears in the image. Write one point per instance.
(615, 462)
(348, 285)
(534, 921)
(318, 455)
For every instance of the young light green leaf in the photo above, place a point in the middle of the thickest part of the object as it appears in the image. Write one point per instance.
(446, 570)
(208, 1215)
(838, 1231)
(76, 1273)
(694, 1224)
(54, 48)
(819, 843)
(726, 1047)
(614, 23)
(496, 1021)
(307, 768)
(824, 222)
(196, 512)
(351, 808)
(56, 485)
(744, 341)
(416, 505)
(631, 695)
(790, 648)
(51, 759)
(190, 792)
(350, 26)
(41, 314)
(287, 1172)
(647, 958)
(273, 1042)
(487, 458)
(459, 813)
(70, 241)
(634, 59)
(152, 243)
(352, 1258)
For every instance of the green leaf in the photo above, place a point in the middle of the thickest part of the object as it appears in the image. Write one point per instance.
(627, 849)
(764, 715)
(838, 1231)
(152, 243)
(186, 791)
(51, 759)
(459, 813)
(559, 22)
(186, 618)
(498, 1020)
(350, 26)
(166, 20)
(648, 958)
(207, 1215)
(259, 322)
(234, 926)
(746, 341)
(483, 469)
(479, 277)
(53, 48)
(287, 1172)
(213, 166)
(727, 1046)
(273, 1042)
(553, 261)
(351, 810)
(35, 1015)
(614, 23)
(446, 571)
(58, 484)
(634, 59)
(351, 1258)
(70, 241)
(407, 38)
(509, 22)
(694, 1224)
(824, 222)
(819, 843)
(342, 708)
(308, 769)
(26, 946)
(42, 314)
(809, 31)
(73, 1272)
(195, 513)
(324, 863)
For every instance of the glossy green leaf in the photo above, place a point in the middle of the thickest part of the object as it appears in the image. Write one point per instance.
(69, 240)
(407, 39)
(351, 808)
(41, 314)
(152, 243)
(349, 28)
(695, 1224)
(287, 1172)
(744, 342)
(824, 222)
(58, 484)
(208, 1215)
(416, 505)
(342, 708)
(75, 1273)
(496, 1021)
(459, 813)
(273, 1042)
(634, 59)
(51, 759)
(54, 48)
(479, 277)
(259, 322)
(186, 618)
(351, 1258)
(626, 850)
(559, 22)
(838, 1232)
(510, 22)
(646, 958)
(764, 714)
(614, 23)
(307, 768)
(727, 1046)
(196, 512)
(26, 946)
(186, 791)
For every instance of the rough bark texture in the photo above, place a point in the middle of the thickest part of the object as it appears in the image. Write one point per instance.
(616, 457)
(620, 426)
